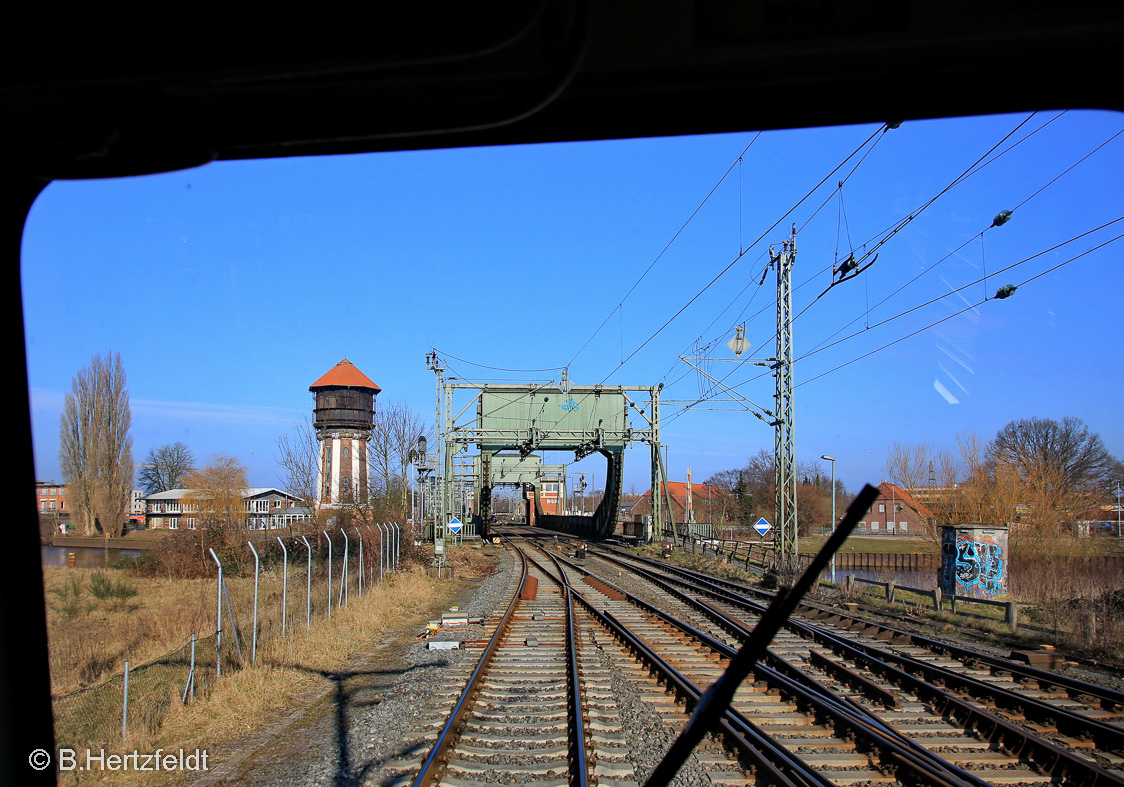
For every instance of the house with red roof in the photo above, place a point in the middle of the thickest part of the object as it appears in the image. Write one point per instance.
(895, 512)
(710, 503)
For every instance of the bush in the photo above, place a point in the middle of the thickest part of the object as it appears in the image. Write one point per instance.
(70, 602)
(105, 589)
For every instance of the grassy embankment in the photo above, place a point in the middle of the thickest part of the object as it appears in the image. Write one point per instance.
(90, 640)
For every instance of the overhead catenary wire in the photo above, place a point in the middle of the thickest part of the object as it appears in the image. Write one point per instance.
(979, 164)
(972, 284)
(741, 254)
(986, 229)
(707, 345)
(958, 313)
(677, 413)
(678, 232)
(496, 368)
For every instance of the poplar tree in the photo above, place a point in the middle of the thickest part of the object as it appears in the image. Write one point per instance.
(95, 448)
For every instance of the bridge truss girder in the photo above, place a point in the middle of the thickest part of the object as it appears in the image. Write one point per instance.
(522, 418)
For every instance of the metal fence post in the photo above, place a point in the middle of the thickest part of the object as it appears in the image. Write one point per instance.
(125, 705)
(382, 551)
(389, 547)
(325, 532)
(308, 592)
(218, 619)
(343, 579)
(371, 533)
(284, 583)
(359, 537)
(189, 689)
(257, 572)
(397, 544)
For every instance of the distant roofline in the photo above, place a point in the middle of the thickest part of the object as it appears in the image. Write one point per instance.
(253, 491)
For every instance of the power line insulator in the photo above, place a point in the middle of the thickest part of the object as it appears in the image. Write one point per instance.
(1001, 219)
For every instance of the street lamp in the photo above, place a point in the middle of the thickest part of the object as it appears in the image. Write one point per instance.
(1118, 492)
(832, 460)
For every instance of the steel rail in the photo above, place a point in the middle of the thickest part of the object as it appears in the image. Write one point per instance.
(430, 770)
(901, 670)
(1046, 755)
(894, 749)
(1106, 736)
(900, 753)
(579, 769)
(1043, 754)
(756, 746)
(1108, 697)
(893, 746)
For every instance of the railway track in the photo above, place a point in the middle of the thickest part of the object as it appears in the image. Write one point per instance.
(1010, 712)
(831, 703)
(1041, 696)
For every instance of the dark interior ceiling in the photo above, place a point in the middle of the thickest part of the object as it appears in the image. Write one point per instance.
(118, 95)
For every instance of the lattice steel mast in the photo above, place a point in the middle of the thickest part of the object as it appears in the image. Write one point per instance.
(784, 444)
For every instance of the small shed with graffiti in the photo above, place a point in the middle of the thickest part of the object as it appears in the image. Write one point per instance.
(974, 560)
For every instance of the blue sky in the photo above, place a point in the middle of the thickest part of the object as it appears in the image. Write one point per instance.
(230, 288)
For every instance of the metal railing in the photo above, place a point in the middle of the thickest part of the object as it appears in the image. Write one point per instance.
(1010, 608)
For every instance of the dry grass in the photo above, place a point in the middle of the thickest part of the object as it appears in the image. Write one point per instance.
(241, 702)
(290, 671)
(97, 640)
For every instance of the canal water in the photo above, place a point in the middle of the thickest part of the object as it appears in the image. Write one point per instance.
(84, 557)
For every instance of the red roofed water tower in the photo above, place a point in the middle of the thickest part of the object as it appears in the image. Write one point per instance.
(344, 419)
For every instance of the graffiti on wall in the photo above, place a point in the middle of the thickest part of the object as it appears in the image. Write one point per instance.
(980, 564)
(973, 561)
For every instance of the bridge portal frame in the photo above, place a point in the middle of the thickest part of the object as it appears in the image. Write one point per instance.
(523, 421)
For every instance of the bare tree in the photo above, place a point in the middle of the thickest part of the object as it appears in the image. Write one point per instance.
(299, 455)
(382, 457)
(920, 466)
(217, 497)
(988, 493)
(166, 468)
(95, 449)
(1061, 466)
(405, 429)
(396, 430)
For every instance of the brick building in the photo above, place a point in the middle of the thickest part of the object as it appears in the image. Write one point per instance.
(50, 498)
(894, 512)
(710, 503)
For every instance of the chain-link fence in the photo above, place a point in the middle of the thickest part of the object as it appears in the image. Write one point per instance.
(291, 588)
(136, 700)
